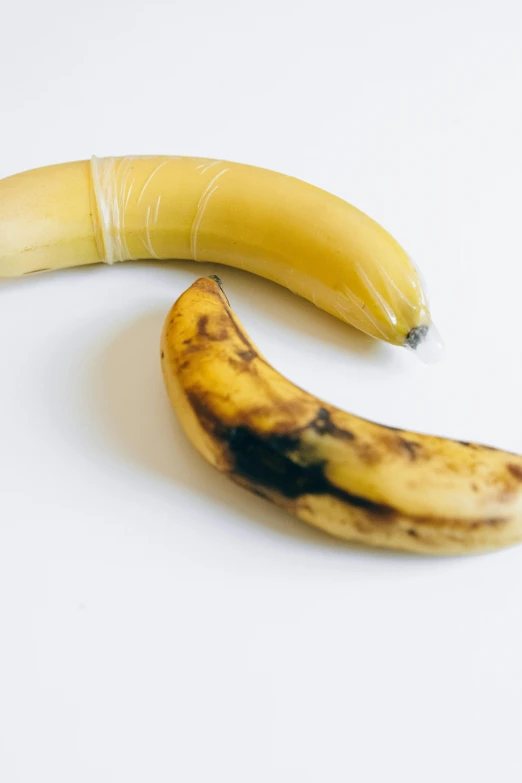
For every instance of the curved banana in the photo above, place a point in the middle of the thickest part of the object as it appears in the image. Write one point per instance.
(161, 207)
(350, 477)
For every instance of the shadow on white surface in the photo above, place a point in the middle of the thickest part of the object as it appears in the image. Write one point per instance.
(246, 291)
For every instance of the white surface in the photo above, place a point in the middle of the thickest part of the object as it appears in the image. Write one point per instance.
(157, 623)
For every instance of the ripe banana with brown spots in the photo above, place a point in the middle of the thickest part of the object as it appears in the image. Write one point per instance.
(352, 478)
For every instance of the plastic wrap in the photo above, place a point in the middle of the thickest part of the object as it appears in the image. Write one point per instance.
(112, 190)
(315, 244)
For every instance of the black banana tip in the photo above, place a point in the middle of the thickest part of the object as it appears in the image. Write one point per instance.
(416, 336)
(217, 280)
(426, 343)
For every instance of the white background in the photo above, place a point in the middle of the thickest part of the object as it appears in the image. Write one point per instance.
(156, 622)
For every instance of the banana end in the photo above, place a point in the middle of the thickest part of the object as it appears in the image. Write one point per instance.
(426, 343)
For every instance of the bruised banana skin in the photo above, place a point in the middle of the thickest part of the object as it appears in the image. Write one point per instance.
(350, 477)
(166, 207)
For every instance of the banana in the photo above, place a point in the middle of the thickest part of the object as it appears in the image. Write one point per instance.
(163, 207)
(350, 477)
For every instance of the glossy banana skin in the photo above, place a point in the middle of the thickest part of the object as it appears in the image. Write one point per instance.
(167, 207)
(350, 477)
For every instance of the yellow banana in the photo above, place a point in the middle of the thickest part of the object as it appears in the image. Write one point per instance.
(160, 207)
(350, 477)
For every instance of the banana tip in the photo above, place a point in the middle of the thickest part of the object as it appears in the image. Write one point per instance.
(217, 280)
(426, 342)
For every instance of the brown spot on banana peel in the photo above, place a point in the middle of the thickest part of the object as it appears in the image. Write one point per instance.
(247, 356)
(218, 334)
(516, 471)
(265, 462)
(241, 366)
(369, 454)
(202, 325)
(412, 449)
(323, 424)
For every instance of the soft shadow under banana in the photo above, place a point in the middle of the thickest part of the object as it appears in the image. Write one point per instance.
(355, 479)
